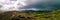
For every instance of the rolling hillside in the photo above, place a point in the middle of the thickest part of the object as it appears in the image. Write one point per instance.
(15, 15)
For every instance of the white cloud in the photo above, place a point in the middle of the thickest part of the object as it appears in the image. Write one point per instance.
(15, 5)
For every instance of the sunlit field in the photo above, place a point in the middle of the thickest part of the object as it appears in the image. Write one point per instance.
(15, 15)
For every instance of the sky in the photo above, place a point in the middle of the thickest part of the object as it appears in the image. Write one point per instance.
(20, 5)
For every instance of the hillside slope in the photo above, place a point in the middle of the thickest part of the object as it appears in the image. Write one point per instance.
(15, 15)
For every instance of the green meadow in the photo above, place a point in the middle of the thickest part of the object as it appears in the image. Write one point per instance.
(15, 15)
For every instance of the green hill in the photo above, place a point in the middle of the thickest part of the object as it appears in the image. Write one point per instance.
(15, 15)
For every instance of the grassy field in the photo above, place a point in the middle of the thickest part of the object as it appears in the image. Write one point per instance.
(15, 15)
(54, 15)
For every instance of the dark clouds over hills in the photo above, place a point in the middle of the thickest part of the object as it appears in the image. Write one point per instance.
(48, 5)
(43, 5)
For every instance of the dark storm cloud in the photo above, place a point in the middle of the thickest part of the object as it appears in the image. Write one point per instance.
(47, 5)
(36, 5)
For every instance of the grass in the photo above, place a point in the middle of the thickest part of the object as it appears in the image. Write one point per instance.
(15, 15)
(54, 15)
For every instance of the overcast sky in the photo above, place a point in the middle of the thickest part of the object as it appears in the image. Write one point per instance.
(10, 5)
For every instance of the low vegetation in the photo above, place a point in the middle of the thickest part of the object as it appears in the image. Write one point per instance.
(15, 15)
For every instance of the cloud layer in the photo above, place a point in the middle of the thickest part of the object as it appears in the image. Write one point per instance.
(19, 5)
